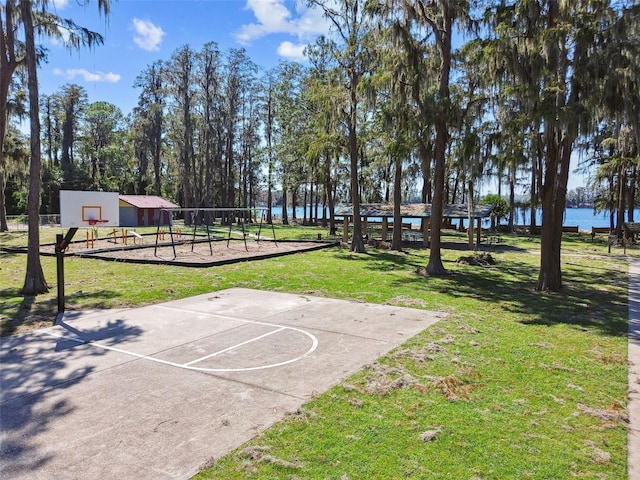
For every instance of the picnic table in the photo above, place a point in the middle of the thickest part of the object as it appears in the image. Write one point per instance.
(631, 230)
(596, 230)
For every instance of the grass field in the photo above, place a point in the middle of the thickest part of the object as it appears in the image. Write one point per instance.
(513, 384)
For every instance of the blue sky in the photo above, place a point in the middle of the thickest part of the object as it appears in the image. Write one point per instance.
(139, 32)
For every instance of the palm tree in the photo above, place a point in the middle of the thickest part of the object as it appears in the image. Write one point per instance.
(10, 58)
(12, 48)
(34, 282)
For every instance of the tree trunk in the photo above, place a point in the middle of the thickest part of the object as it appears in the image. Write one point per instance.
(34, 281)
(305, 199)
(330, 195)
(559, 138)
(285, 214)
(396, 242)
(554, 193)
(550, 275)
(512, 199)
(536, 179)
(424, 153)
(294, 203)
(632, 194)
(435, 266)
(317, 204)
(8, 65)
(470, 208)
(357, 242)
(3, 205)
(622, 197)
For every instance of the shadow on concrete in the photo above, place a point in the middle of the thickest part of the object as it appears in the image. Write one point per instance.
(33, 367)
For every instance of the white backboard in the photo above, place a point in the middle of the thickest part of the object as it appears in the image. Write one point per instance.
(89, 209)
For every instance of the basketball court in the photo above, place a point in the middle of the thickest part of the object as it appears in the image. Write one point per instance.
(159, 391)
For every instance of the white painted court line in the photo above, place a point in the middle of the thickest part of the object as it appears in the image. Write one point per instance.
(114, 349)
(255, 339)
(187, 366)
(218, 315)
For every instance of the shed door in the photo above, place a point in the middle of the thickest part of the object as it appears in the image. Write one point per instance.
(150, 213)
(140, 217)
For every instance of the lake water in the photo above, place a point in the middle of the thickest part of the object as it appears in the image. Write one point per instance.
(584, 218)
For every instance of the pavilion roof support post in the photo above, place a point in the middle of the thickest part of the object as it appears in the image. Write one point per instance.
(345, 229)
(385, 228)
(425, 233)
(478, 233)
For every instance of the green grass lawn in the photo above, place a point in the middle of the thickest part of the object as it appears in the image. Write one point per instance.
(512, 384)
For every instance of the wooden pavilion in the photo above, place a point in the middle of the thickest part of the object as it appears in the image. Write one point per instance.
(371, 213)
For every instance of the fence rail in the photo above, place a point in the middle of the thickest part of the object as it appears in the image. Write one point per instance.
(20, 222)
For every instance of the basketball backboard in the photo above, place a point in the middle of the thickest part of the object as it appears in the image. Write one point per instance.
(89, 209)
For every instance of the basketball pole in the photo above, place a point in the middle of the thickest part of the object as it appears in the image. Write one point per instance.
(61, 245)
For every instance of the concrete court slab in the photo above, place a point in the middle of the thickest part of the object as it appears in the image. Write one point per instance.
(156, 392)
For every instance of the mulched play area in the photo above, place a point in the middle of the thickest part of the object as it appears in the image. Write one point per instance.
(201, 251)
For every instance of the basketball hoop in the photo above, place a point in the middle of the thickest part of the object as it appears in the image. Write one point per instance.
(94, 221)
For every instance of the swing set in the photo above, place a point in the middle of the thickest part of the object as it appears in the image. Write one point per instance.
(230, 214)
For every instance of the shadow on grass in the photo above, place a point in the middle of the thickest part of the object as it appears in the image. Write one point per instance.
(95, 300)
(39, 312)
(29, 311)
(511, 287)
(587, 301)
(377, 259)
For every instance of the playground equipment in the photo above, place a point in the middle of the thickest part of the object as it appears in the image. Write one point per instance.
(242, 214)
(125, 235)
(90, 238)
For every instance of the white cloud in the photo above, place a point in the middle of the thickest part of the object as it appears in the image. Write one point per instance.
(148, 36)
(292, 51)
(59, 4)
(61, 41)
(274, 17)
(86, 75)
